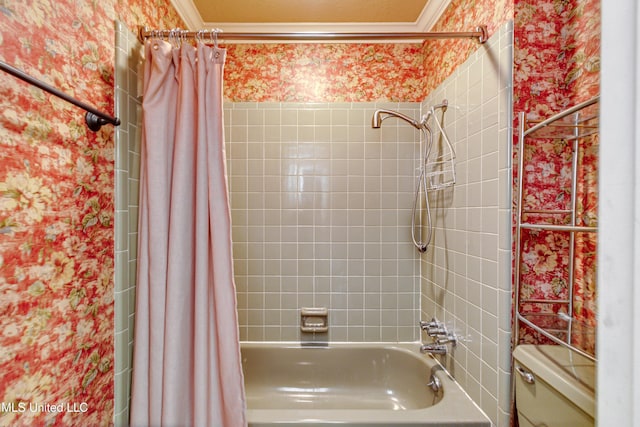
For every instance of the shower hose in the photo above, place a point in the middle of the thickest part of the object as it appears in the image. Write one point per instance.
(416, 234)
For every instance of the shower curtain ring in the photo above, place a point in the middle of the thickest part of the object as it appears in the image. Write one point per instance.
(155, 37)
(177, 37)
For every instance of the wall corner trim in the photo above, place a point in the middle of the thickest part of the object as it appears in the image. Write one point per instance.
(189, 14)
(431, 14)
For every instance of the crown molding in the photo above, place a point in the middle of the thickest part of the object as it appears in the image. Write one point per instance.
(431, 13)
(427, 19)
(189, 14)
(314, 27)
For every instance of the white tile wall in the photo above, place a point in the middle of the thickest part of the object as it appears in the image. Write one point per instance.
(127, 170)
(320, 205)
(466, 276)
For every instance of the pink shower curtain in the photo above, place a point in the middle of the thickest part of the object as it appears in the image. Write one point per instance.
(187, 369)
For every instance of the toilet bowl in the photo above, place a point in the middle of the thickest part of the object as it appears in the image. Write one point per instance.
(554, 387)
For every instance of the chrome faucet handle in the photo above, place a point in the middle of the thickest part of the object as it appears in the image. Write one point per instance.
(424, 325)
(437, 331)
(433, 328)
(431, 324)
(433, 348)
(448, 338)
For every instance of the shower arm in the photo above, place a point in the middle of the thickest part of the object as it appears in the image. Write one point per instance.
(378, 118)
(382, 114)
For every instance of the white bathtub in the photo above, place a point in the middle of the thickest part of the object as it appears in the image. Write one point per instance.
(351, 384)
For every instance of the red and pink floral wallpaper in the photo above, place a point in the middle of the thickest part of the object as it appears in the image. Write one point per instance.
(57, 210)
(56, 177)
(354, 72)
(557, 65)
(56, 183)
(441, 57)
(324, 72)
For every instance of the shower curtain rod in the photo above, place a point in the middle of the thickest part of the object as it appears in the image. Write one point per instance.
(94, 119)
(480, 34)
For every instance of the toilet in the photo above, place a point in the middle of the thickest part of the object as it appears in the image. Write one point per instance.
(554, 387)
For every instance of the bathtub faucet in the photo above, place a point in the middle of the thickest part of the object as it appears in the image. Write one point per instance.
(433, 348)
(440, 337)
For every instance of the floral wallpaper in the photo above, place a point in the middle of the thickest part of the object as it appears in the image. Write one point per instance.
(57, 210)
(56, 177)
(323, 72)
(353, 72)
(556, 66)
(56, 183)
(442, 57)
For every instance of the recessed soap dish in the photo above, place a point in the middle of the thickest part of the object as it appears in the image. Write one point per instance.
(314, 319)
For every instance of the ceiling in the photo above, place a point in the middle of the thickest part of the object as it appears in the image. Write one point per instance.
(311, 15)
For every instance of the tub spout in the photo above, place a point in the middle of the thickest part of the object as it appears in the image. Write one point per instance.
(435, 383)
(433, 348)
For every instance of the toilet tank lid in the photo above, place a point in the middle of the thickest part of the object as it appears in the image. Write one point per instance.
(568, 372)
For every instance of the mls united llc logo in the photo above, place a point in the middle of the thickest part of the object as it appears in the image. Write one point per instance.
(22, 407)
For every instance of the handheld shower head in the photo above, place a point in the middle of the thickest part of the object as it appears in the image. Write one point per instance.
(378, 117)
